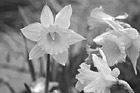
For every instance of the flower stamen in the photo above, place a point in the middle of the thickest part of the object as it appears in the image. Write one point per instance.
(52, 34)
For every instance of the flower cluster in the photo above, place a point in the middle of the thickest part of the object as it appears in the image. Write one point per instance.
(119, 41)
(54, 37)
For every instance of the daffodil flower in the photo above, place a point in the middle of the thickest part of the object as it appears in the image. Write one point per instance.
(53, 36)
(98, 15)
(127, 37)
(128, 44)
(131, 39)
(97, 82)
(113, 48)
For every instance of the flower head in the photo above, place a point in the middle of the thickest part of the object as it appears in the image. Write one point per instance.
(127, 43)
(98, 15)
(113, 48)
(131, 39)
(99, 82)
(53, 36)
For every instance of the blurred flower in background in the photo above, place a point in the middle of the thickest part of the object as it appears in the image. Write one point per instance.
(38, 86)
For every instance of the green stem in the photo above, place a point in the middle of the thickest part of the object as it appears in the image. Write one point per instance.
(31, 67)
(47, 73)
(27, 88)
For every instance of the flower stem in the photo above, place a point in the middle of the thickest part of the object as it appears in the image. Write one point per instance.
(126, 86)
(41, 67)
(30, 64)
(47, 73)
(27, 88)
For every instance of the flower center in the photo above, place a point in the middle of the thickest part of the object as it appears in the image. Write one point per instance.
(53, 37)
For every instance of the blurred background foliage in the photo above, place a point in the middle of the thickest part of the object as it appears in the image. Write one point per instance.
(14, 48)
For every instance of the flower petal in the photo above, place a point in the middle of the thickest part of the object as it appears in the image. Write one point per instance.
(101, 65)
(46, 17)
(115, 25)
(115, 72)
(104, 69)
(114, 49)
(133, 54)
(93, 22)
(122, 16)
(32, 31)
(95, 86)
(63, 17)
(136, 43)
(98, 13)
(56, 46)
(85, 75)
(106, 90)
(61, 58)
(36, 52)
(101, 38)
(74, 37)
(131, 32)
(79, 86)
(127, 41)
(113, 56)
(103, 55)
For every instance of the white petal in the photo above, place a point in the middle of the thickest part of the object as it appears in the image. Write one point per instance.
(101, 38)
(99, 13)
(79, 86)
(115, 72)
(133, 54)
(113, 49)
(126, 40)
(96, 86)
(74, 37)
(63, 17)
(122, 16)
(101, 65)
(85, 74)
(46, 17)
(116, 26)
(61, 58)
(103, 55)
(132, 33)
(32, 31)
(110, 80)
(106, 90)
(94, 22)
(36, 52)
(136, 43)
